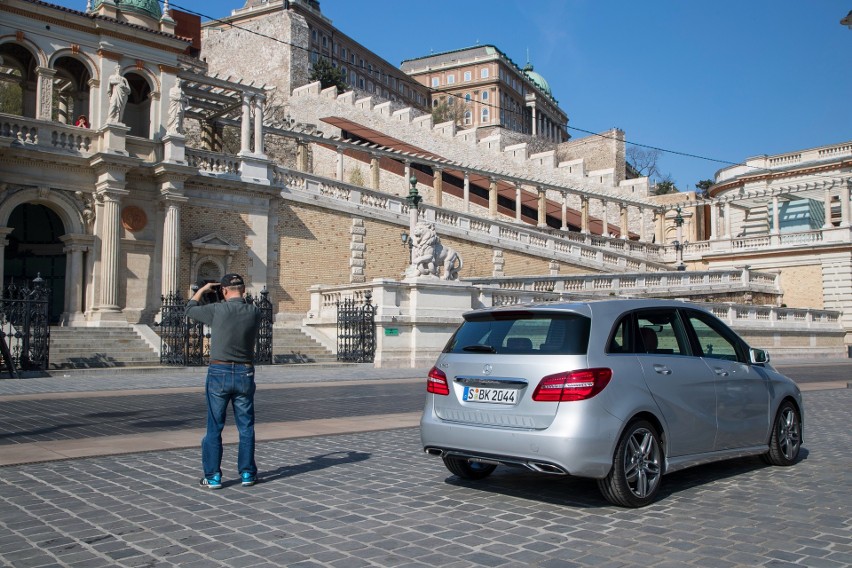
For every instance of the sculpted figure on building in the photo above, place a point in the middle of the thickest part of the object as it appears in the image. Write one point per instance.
(119, 90)
(430, 255)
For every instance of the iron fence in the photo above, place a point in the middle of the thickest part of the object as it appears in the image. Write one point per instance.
(25, 327)
(356, 330)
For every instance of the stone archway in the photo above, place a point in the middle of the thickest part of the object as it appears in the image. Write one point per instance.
(35, 249)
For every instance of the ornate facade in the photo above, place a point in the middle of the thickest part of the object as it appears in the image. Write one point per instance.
(191, 175)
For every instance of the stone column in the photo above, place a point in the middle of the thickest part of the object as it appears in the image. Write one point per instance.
(845, 215)
(171, 246)
(74, 249)
(110, 249)
(564, 226)
(584, 214)
(660, 217)
(4, 232)
(339, 171)
(826, 204)
(728, 220)
(542, 207)
(714, 221)
(258, 124)
(776, 219)
(375, 171)
(44, 93)
(208, 135)
(625, 226)
(438, 186)
(643, 229)
(534, 121)
(466, 192)
(492, 198)
(302, 156)
(518, 204)
(604, 217)
(245, 125)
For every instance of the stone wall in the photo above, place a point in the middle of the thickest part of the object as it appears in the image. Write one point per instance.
(237, 52)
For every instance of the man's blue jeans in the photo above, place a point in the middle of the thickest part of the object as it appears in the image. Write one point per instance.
(234, 384)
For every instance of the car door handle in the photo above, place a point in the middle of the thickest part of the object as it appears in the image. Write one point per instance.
(662, 369)
(720, 372)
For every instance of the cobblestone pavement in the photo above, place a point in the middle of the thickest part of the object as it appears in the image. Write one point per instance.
(374, 499)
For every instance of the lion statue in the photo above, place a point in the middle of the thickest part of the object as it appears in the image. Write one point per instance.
(429, 254)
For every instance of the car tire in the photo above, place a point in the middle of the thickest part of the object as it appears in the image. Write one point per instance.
(637, 467)
(786, 439)
(469, 470)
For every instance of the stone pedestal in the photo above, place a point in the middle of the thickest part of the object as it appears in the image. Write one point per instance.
(114, 138)
(174, 148)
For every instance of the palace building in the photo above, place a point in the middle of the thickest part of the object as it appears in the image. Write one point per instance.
(195, 160)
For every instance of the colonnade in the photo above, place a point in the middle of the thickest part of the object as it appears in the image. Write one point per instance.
(721, 225)
(625, 211)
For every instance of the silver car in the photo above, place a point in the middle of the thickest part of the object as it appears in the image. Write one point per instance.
(622, 391)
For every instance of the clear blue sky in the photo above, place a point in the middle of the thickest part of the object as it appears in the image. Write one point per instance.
(727, 79)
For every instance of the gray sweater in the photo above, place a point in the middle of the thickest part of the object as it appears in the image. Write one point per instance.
(233, 328)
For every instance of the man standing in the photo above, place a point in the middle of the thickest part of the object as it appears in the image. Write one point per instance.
(230, 377)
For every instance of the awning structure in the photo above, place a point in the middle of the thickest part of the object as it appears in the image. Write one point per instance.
(212, 97)
(453, 177)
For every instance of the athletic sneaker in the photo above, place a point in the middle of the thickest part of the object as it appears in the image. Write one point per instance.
(214, 482)
(248, 479)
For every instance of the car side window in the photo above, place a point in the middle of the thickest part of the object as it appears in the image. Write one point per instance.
(712, 343)
(660, 332)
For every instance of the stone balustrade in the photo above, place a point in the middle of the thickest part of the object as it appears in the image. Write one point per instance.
(415, 317)
(48, 135)
(657, 284)
(758, 163)
(604, 253)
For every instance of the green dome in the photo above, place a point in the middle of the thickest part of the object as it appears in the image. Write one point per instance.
(145, 7)
(537, 79)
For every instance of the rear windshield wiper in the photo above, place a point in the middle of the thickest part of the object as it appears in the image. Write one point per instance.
(479, 348)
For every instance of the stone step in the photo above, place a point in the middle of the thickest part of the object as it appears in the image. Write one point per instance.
(98, 347)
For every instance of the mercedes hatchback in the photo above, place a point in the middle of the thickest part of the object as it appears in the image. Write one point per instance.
(622, 391)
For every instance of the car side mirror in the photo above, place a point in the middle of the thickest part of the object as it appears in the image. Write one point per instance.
(758, 356)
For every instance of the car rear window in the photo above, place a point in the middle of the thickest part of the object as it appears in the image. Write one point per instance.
(522, 333)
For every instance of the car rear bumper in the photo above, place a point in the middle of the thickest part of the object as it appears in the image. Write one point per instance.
(564, 448)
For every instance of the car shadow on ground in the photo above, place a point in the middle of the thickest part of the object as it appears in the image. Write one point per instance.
(583, 493)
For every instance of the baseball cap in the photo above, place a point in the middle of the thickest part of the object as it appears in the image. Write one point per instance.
(232, 280)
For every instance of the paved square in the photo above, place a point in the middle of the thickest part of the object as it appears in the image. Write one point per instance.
(373, 499)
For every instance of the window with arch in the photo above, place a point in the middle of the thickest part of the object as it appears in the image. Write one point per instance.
(484, 95)
(18, 80)
(468, 117)
(485, 116)
(467, 97)
(137, 114)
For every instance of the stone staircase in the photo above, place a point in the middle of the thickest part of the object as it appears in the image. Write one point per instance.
(292, 346)
(99, 347)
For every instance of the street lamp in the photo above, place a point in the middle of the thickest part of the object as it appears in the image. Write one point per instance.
(414, 200)
(679, 244)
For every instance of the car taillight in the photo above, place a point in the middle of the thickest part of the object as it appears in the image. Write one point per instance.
(437, 382)
(572, 385)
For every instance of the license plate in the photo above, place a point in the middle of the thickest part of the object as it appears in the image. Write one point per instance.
(493, 396)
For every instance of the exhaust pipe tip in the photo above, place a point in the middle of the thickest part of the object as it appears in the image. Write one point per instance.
(435, 452)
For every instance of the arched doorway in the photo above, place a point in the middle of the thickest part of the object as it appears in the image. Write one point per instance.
(17, 80)
(34, 248)
(137, 115)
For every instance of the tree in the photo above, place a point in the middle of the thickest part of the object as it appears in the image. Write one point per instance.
(328, 75)
(450, 109)
(665, 186)
(703, 186)
(643, 160)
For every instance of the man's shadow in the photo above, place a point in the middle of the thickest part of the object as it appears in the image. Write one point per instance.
(315, 463)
